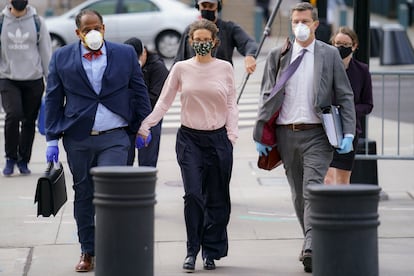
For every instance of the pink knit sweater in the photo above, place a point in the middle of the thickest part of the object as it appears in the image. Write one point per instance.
(207, 96)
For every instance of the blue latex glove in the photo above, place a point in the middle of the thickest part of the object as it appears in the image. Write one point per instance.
(140, 142)
(346, 145)
(262, 149)
(52, 154)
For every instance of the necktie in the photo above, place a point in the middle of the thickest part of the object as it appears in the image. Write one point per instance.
(285, 76)
(95, 54)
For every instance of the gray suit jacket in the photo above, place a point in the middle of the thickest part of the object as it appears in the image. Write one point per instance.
(331, 85)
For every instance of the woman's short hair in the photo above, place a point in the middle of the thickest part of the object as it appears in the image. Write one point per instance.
(207, 25)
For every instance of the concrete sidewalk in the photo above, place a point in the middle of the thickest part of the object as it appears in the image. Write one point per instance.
(265, 236)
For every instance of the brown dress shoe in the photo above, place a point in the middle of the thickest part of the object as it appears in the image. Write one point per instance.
(85, 263)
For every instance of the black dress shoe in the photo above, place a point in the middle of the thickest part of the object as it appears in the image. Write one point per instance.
(307, 261)
(189, 264)
(209, 264)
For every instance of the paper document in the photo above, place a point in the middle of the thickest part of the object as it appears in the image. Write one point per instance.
(332, 123)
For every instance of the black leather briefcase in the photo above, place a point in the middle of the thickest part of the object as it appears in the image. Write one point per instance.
(51, 190)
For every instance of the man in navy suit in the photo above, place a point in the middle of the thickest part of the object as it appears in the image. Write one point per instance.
(95, 90)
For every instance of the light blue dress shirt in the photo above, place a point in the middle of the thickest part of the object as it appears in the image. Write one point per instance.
(104, 118)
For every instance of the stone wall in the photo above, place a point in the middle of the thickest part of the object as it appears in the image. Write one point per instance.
(241, 12)
(54, 7)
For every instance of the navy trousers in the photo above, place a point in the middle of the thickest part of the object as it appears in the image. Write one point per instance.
(147, 156)
(206, 161)
(110, 149)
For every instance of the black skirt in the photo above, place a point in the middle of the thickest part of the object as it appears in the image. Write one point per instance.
(345, 161)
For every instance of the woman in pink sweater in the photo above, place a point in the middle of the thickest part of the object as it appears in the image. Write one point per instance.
(204, 145)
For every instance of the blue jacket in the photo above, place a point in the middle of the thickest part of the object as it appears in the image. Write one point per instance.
(71, 103)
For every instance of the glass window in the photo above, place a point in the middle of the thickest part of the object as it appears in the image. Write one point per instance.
(134, 6)
(104, 7)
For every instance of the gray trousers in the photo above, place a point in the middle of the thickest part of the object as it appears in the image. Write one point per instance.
(306, 156)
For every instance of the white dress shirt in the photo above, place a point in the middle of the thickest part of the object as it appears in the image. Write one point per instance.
(298, 104)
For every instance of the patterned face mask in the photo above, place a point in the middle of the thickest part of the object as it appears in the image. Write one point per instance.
(202, 48)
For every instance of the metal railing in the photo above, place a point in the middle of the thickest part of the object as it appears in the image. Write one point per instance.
(391, 123)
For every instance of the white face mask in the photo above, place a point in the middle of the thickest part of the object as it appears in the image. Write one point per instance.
(302, 32)
(94, 40)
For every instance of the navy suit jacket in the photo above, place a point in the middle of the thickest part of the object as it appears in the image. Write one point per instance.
(71, 102)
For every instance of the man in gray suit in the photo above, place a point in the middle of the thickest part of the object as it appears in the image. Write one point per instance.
(291, 117)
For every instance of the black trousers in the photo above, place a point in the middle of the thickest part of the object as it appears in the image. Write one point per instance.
(21, 102)
(206, 162)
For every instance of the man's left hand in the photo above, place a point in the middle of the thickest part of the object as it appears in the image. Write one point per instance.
(346, 145)
(250, 64)
(142, 141)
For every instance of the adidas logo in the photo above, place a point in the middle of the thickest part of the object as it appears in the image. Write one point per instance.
(19, 40)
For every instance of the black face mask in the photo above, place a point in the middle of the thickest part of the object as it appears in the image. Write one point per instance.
(344, 51)
(19, 4)
(209, 15)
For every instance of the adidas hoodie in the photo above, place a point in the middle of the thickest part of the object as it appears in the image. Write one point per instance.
(22, 58)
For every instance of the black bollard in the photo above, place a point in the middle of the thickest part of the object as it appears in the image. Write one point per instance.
(124, 200)
(344, 222)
